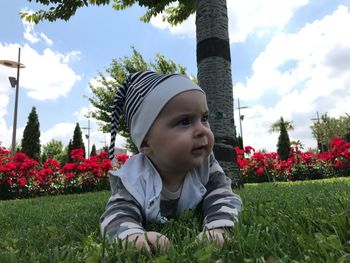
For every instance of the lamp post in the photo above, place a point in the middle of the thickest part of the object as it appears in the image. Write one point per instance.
(87, 136)
(317, 135)
(14, 83)
(241, 117)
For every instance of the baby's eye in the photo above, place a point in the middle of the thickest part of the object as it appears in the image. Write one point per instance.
(184, 122)
(205, 118)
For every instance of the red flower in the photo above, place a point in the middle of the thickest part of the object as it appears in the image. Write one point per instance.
(22, 181)
(69, 177)
(69, 167)
(338, 164)
(260, 171)
(249, 149)
(77, 154)
(122, 158)
(52, 164)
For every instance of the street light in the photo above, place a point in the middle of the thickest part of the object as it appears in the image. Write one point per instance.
(241, 117)
(317, 135)
(87, 136)
(14, 83)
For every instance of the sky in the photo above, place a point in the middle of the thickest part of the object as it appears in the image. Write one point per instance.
(289, 58)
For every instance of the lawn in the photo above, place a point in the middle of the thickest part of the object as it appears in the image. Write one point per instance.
(307, 221)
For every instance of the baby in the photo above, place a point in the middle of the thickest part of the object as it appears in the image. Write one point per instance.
(175, 170)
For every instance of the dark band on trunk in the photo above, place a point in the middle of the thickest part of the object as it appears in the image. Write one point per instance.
(224, 154)
(213, 47)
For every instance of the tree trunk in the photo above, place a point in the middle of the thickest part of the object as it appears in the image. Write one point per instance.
(214, 76)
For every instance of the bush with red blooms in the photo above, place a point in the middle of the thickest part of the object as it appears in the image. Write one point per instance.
(22, 177)
(268, 167)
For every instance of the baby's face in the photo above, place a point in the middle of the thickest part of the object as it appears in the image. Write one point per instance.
(180, 138)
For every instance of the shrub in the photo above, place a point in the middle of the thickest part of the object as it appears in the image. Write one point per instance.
(267, 167)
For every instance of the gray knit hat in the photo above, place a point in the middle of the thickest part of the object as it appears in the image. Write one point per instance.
(141, 98)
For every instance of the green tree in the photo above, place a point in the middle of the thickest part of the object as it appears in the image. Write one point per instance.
(69, 149)
(347, 137)
(298, 144)
(213, 54)
(283, 144)
(53, 149)
(93, 150)
(327, 128)
(104, 93)
(43, 158)
(77, 142)
(239, 142)
(31, 136)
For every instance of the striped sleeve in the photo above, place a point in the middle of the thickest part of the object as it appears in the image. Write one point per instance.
(123, 215)
(220, 205)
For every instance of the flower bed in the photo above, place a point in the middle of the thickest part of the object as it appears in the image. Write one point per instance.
(267, 167)
(22, 177)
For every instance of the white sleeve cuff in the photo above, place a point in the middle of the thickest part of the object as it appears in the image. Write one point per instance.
(219, 223)
(130, 231)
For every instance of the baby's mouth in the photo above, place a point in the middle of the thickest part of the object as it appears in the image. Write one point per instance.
(199, 148)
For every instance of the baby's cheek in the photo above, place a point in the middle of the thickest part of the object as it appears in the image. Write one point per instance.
(211, 139)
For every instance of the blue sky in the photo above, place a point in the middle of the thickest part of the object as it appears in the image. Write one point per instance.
(290, 58)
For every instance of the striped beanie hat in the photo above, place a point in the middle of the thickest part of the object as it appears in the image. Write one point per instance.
(141, 98)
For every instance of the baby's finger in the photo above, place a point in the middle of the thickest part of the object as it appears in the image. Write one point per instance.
(141, 243)
(137, 240)
(158, 240)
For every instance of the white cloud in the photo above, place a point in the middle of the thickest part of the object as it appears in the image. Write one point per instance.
(245, 17)
(31, 35)
(70, 56)
(317, 80)
(259, 16)
(82, 113)
(47, 40)
(185, 29)
(46, 76)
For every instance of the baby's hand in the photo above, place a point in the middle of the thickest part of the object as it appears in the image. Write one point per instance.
(149, 240)
(216, 234)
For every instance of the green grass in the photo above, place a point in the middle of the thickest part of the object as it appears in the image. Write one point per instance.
(281, 222)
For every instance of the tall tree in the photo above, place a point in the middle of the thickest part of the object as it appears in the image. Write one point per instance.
(69, 149)
(214, 75)
(77, 142)
(93, 150)
(31, 136)
(103, 94)
(213, 54)
(283, 144)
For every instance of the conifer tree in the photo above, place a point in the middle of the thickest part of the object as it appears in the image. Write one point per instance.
(69, 149)
(31, 136)
(283, 144)
(93, 150)
(77, 142)
(43, 157)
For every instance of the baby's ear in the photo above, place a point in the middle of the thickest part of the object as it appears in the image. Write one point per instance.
(145, 148)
